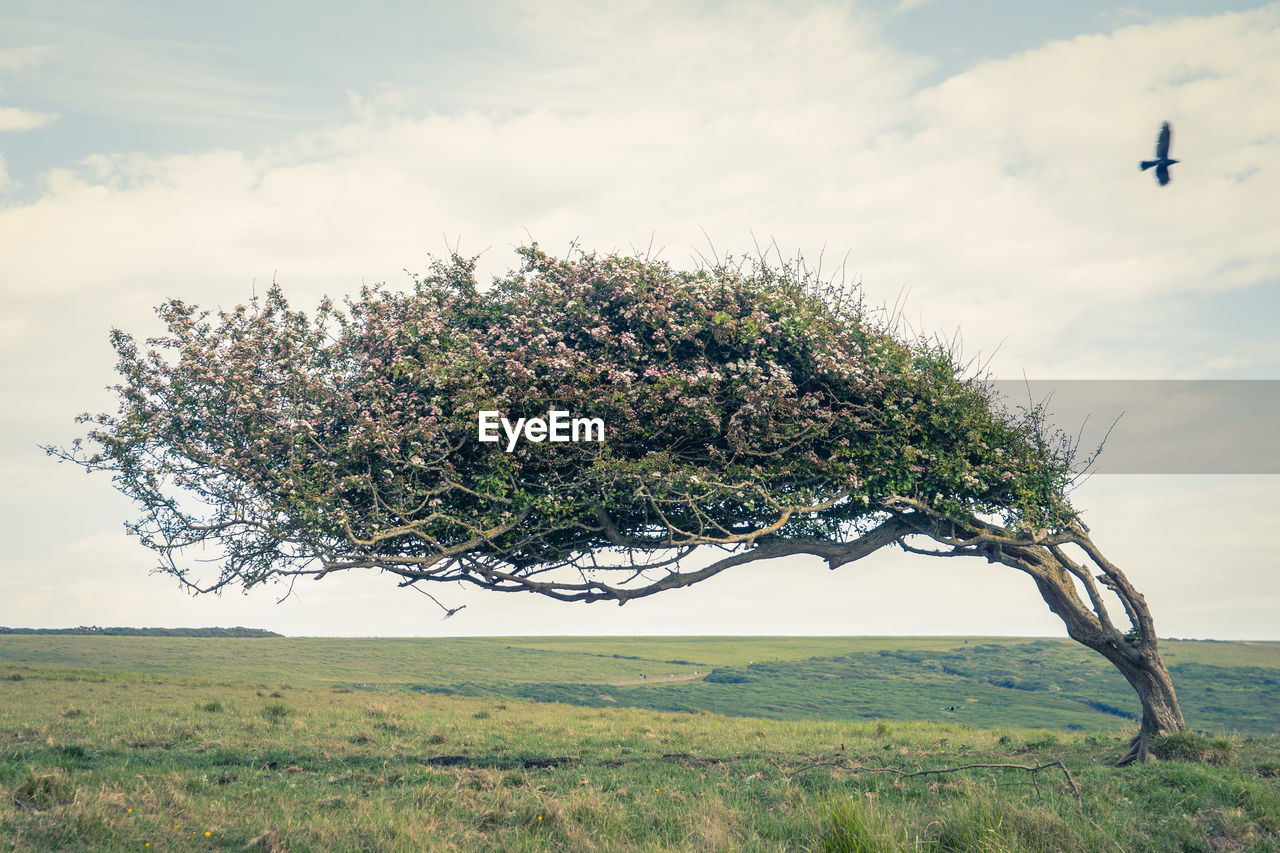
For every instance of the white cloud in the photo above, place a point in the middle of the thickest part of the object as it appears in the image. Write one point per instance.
(14, 119)
(92, 71)
(20, 58)
(1007, 198)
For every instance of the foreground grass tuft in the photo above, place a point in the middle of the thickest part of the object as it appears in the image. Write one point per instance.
(39, 790)
(1191, 746)
(858, 827)
(276, 711)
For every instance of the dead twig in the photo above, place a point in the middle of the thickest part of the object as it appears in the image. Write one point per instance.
(905, 774)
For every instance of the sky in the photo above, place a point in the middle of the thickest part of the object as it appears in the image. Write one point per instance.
(974, 164)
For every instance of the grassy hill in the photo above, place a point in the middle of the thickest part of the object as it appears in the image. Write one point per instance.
(195, 744)
(1224, 687)
(1047, 683)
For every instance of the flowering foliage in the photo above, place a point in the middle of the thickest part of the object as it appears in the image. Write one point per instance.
(744, 405)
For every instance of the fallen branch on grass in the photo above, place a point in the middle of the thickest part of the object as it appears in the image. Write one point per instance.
(687, 758)
(17, 801)
(905, 774)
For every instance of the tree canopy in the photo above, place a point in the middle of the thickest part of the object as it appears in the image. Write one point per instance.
(743, 405)
(748, 407)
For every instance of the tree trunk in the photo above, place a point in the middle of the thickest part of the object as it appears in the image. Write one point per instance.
(1147, 675)
(1071, 589)
(1136, 655)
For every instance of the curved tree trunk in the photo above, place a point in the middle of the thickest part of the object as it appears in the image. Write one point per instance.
(1136, 654)
(1061, 580)
(1160, 711)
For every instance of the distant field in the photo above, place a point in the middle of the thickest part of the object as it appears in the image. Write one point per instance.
(589, 660)
(321, 660)
(980, 681)
(113, 743)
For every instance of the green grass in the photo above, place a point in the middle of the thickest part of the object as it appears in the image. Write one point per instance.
(1223, 687)
(204, 744)
(322, 660)
(1220, 653)
(602, 660)
(145, 762)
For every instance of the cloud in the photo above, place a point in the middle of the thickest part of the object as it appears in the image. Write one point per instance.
(92, 71)
(1002, 190)
(21, 58)
(14, 119)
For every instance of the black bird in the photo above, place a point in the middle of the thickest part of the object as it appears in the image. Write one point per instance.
(1162, 161)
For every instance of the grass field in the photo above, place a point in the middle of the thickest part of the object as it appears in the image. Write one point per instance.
(191, 744)
(1224, 687)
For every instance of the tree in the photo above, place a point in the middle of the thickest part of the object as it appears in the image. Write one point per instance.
(752, 411)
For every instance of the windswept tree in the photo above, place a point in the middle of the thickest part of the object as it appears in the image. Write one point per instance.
(751, 412)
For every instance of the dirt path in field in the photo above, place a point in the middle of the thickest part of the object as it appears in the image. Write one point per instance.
(659, 679)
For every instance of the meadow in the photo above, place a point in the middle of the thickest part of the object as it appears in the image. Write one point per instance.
(559, 744)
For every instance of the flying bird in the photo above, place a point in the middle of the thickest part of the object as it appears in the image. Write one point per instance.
(1162, 161)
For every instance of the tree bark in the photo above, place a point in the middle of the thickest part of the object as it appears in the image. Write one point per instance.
(1161, 713)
